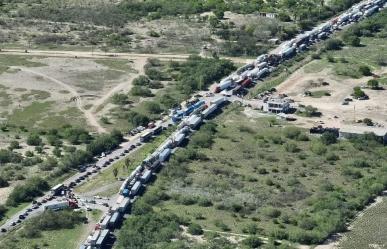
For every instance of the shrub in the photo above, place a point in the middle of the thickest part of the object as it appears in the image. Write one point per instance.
(291, 132)
(195, 229)
(333, 44)
(119, 99)
(373, 84)
(141, 91)
(358, 93)
(328, 138)
(34, 140)
(252, 242)
(141, 80)
(318, 148)
(291, 147)
(365, 70)
(272, 212)
(33, 187)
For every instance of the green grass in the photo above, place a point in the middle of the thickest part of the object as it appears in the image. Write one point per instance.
(35, 94)
(30, 115)
(349, 59)
(65, 238)
(245, 155)
(17, 60)
(369, 231)
(319, 94)
(116, 64)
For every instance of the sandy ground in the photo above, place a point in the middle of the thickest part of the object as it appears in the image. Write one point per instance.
(331, 106)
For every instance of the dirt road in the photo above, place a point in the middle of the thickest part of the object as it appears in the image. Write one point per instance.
(102, 55)
(90, 117)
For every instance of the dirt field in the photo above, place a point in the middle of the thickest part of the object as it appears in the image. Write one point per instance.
(334, 113)
(62, 85)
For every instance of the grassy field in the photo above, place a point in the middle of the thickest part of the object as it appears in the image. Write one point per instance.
(369, 230)
(347, 60)
(6, 61)
(55, 239)
(257, 174)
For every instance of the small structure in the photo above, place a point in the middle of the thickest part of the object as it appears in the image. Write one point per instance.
(277, 105)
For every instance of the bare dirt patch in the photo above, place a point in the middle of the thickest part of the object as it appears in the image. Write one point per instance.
(334, 113)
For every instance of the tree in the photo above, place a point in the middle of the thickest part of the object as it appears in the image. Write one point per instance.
(3, 183)
(115, 172)
(119, 99)
(328, 138)
(57, 152)
(373, 84)
(365, 70)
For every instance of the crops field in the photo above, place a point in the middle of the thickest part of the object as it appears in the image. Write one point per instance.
(369, 230)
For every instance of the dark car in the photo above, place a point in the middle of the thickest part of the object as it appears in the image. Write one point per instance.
(13, 224)
(29, 210)
(3, 230)
(88, 173)
(132, 146)
(21, 217)
(82, 178)
(18, 221)
(78, 180)
(94, 171)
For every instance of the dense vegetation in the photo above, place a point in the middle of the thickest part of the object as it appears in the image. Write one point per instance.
(111, 14)
(40, 227)
(265, 179)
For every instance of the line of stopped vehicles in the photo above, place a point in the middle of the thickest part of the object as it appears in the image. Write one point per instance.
(188, 119)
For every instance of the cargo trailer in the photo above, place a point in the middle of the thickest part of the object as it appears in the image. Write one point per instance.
(194, 121)
(102, 239)
(218, 101)
(136, 187)
(207, 112)
(179, 138)
(114, 220)
(94, 237)
(146, 176)
(123, 207)
(164, 155)
(105, 222)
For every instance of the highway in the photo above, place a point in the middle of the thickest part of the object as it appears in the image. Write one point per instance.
(117, 154)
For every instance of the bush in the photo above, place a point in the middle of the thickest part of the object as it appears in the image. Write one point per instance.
(373, 84)
(141, 80)
(292, 132)
(318, 148)
(291, 147)
(328, 138)
(333, 44)
(3, 183)
(153, 107)
(137, 119)
(119, 99)
(272, 212)
(365, 70)
(358, 93)
(32, 188)
(141, 91)
(34, 140)
(195, 229)
(252, 242)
